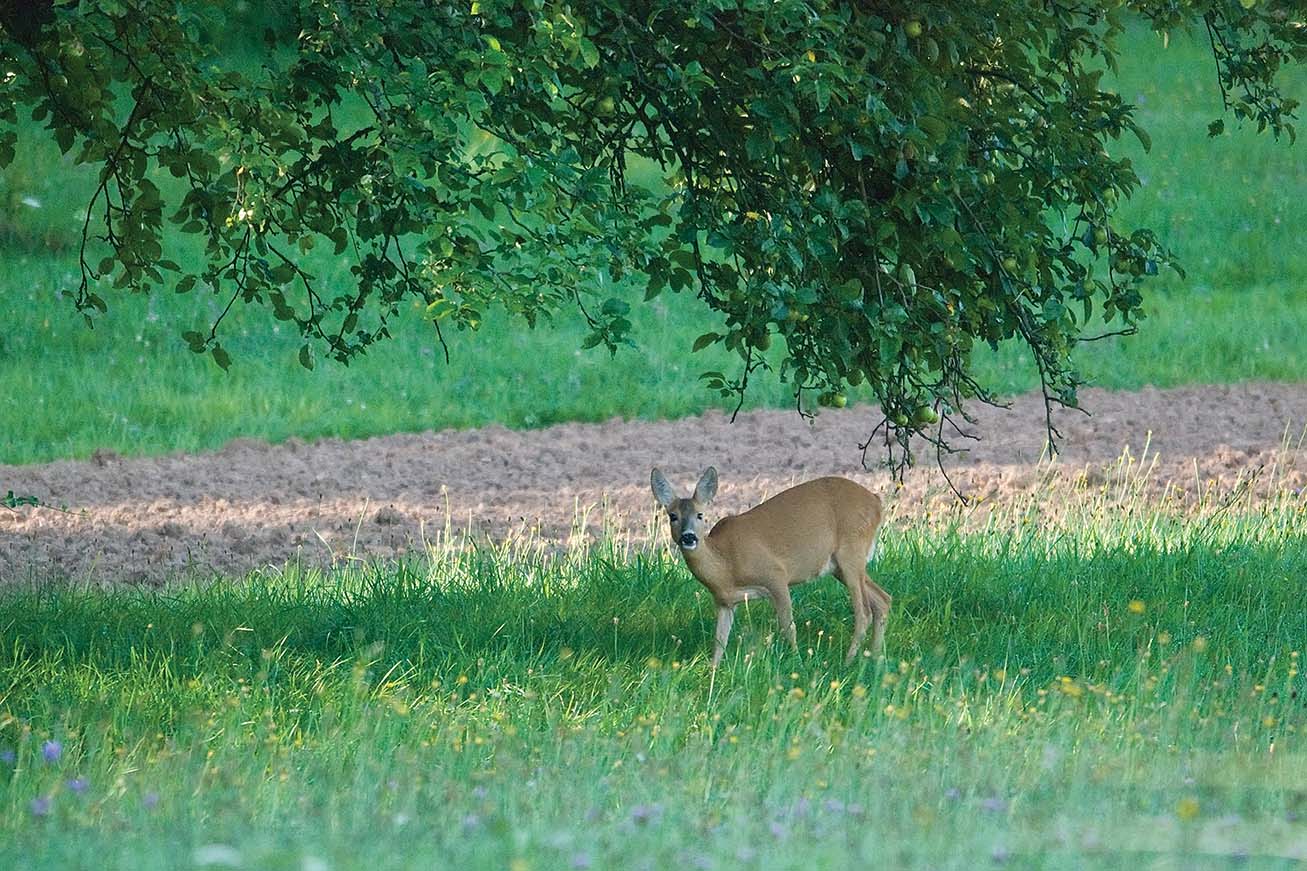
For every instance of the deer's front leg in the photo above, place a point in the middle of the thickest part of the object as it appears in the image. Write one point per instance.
(780, 597)
(725, 618)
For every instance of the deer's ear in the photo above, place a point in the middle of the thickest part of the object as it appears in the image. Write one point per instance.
(662, 489)
(706, 490)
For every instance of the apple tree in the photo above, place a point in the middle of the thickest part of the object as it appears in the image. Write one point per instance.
(872, 188)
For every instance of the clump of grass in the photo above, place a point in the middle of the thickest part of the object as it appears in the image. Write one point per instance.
(1118, 691)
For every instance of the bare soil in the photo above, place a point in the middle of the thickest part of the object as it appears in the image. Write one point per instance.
(253, 504)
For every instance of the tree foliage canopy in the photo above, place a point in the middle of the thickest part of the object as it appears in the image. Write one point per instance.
(882, 186)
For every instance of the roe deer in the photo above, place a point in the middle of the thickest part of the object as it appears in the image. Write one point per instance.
(820, 526)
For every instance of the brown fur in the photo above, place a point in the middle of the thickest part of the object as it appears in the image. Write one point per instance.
(827, 524)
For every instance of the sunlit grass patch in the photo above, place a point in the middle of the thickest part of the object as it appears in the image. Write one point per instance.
(1121, 689)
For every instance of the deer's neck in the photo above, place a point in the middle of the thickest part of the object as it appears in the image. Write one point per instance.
(709, 566)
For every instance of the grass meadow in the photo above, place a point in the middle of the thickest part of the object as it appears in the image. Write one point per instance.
(1228, 206)
(1123, 695)
(1114, 688)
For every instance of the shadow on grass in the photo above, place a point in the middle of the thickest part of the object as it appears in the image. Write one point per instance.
(482, 613)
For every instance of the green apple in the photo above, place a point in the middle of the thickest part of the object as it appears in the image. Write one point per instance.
(912, 28)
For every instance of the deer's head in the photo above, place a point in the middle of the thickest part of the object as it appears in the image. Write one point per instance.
(685, 516)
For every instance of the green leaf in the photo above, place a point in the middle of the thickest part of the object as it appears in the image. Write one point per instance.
(684, 257)
(63, 137)
(614, 307)
(1142, 135)
(440, 309)
(493, 79)
(851, 290)
(704, 341)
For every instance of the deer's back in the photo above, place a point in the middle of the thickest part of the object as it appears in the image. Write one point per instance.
(800, 528)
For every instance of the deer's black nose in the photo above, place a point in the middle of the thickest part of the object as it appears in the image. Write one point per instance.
(689, 539)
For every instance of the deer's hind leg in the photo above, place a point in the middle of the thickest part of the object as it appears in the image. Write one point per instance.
(876, 600)
(878, 604)
(852, 572)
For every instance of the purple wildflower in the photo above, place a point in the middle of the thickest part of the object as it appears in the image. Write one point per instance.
(953, 793)
(777, 829)
(41, 806)
(994, 805)
(78, 785)
(52, 750)
(646, 813)
(8, 757)
(480, 793)
(471, 821)
(581, 861)
(151, 800)
(1000, 854)
(833, 806)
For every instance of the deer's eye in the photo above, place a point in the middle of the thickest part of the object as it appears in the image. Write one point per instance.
(701, 517)
(671, 517)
